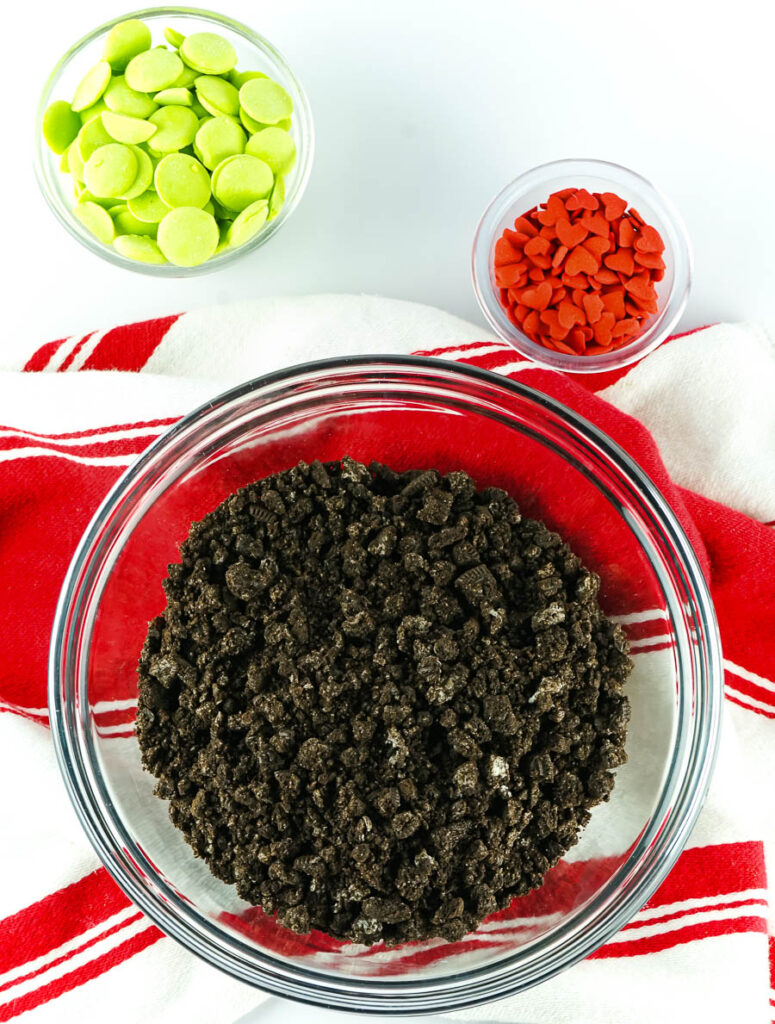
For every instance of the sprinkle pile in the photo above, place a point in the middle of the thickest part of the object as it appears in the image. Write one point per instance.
(578, 274)
(175, 155)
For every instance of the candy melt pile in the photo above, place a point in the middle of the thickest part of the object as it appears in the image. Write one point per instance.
(578, 274)
(175, 155)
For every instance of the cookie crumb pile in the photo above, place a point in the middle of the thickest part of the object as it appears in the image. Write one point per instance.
(381, 704)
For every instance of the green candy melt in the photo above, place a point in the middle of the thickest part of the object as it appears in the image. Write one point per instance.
(148, 207)
(177, 96)
(110, 170)
(265, 101)
(238, 78)
(174, 154)
(92, 86)
(208, 53)
(61, 124)
(173, 37)
(125, 41)
(248, 223)
(126, 223)
(217, 139)
(217, 95)
(95, 219)
(144, 176)
(182, 180)
(140, 248)
(122, 99)
(176, 128)
(275, 147)
(277, 198)
(91, 137)
(94, 111)
(188, 236)
(239, 181)
(122, 128)
(153, 70)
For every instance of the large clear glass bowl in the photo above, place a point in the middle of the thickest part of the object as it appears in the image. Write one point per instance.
(407, 413)
(254, 53)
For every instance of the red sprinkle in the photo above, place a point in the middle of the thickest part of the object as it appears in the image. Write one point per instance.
(578, 274)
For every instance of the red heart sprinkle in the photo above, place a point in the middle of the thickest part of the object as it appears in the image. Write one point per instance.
(597, 246)
(581, 261)
(581, 200)
(555, 208)
(593, 307)
(621, 261)
(614, 206)
(570, 234)
(626, 233)
(569, 315)
(538, 297)
(649, 240)
(596, 224)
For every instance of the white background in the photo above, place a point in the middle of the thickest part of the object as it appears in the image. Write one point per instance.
(424, 109)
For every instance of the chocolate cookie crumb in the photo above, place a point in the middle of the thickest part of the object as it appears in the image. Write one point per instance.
(380, 704)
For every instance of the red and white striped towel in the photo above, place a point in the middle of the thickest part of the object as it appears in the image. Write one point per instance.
(72, 947)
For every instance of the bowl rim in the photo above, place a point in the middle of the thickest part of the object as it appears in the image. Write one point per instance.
(44, 165)
(618, 177)
(652, 856)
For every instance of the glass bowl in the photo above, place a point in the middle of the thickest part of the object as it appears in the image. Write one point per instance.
(254, 53)
(408, 413)
(535, 187)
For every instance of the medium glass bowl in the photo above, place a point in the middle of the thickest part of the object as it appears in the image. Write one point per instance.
(254, 53)
(408, 413)
(535, 187)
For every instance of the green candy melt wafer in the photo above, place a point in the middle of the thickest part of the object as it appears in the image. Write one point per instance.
(176, 128)
(185, 79)
(177, 96)
(91, 137)
(140, 248)
(75, 161)
(94, 111)
(238, 78)
(61, 124)
(275, 147)
(92, 86)
(125, 41)
(95, 219)
(277, 198)
(239, 181)
(127, 224)
(153, 70)
(188, 236)
(148, 207)
(127, 129)
(181, 180)
(217, 95)
(110, 170)
(122, 99)
(217, 139)
(265, 101)
(144, 176)
(208, 53)
(173, 37)
(248, 223)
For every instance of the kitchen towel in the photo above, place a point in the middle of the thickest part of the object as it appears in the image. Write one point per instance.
(80, 409)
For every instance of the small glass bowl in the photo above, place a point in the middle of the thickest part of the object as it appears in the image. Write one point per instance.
(254, 53)
(408, 413)
(535, 187)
